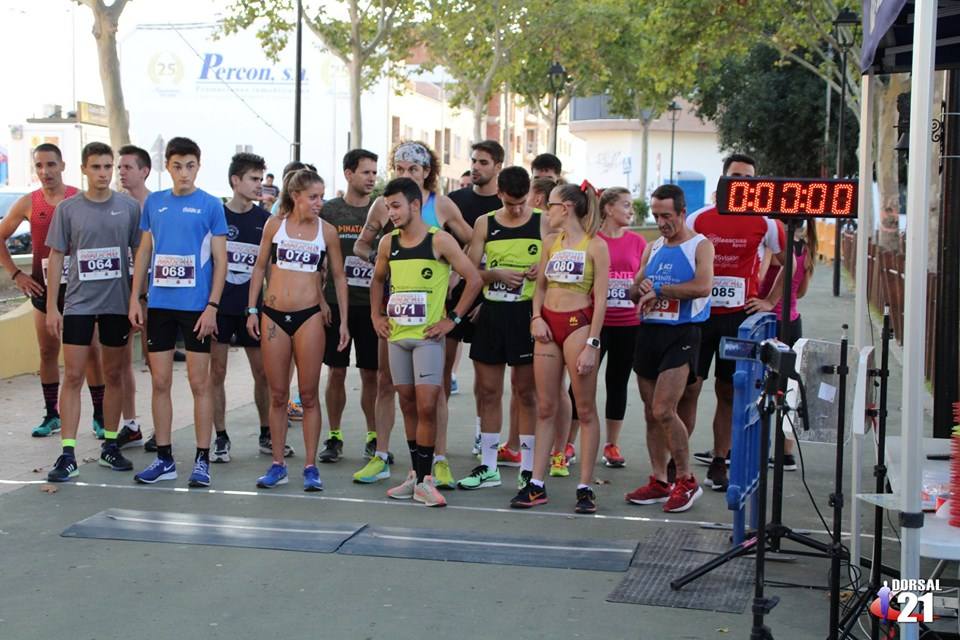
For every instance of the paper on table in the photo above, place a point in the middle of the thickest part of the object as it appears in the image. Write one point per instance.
(827, 392)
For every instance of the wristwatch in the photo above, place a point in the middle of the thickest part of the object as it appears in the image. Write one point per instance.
(252, 311)
(455, 318)
(593, 342)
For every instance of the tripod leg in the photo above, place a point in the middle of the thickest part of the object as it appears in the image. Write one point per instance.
(742, 549)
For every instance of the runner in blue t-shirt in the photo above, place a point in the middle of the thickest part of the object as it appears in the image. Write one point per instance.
(184, 241)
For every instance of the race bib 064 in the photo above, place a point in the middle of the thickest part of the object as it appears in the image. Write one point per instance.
(99, 264)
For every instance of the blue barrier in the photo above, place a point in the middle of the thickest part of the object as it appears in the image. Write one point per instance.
(746, 450)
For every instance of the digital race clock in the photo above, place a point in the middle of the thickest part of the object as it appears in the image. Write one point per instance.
(787, 197)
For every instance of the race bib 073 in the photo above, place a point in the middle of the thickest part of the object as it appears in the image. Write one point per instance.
(241, 256)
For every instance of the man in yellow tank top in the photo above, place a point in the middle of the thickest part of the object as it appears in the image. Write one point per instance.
(417, 259)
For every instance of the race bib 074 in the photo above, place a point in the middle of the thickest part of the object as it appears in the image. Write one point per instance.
(174, 271)
(298, 255)
(99, 264)
(359, 272)
(566, 266)
(408, 308)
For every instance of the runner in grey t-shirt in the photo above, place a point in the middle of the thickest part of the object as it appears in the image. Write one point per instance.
(99, 229)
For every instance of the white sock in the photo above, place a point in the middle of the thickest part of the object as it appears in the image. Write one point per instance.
(535, 482)
(438, 458)
(489, 443)
(583, 486)
(476, 433)
(132, 424)
(383, 455)
(526, 452)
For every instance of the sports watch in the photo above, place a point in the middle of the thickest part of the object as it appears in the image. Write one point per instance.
(252, 311)
(593, 342)
(454, 317)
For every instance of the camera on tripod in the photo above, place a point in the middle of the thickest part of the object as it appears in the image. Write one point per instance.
(777, 356)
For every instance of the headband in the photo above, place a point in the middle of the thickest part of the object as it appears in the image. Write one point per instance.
(412, 152)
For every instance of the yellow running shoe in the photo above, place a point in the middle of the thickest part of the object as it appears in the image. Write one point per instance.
(558, 465)
(373, 471)
(442, 476)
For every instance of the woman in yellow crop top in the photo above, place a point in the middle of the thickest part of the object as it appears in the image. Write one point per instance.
(568, 309)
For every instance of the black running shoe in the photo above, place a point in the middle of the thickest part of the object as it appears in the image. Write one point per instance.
(524, 479)
(332, 450)
(530, 496)
(151, 444)
(717, 475)
(221, 450)
(706, 457)
(789, 462)
(266, 447)
(111, 458)
(63, 469)
(586, 501)
(370, 449)
(129, 438)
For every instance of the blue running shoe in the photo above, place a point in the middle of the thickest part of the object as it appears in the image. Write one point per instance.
(98, 429)
(63, 469)
(49, 426)
(311, 479)
(159, 469)
(201, 474)
(276, 474)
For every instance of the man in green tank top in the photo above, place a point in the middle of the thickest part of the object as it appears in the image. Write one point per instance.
(417, 259)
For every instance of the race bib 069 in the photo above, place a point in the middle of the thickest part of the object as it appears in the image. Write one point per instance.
(99, 264)
(566, 266)
(664, 309)
(241, 256)
(174, 271)
(618, 293)
(500, 291)
(359, 272)
(729, 291)
(408, 308)
(298, 255)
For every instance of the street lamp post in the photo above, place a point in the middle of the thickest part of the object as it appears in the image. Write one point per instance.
(296, 88)
(674, 110)
(557, 76)
(844, 21)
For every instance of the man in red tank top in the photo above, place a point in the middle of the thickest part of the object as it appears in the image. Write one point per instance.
(38, 208)
(736, 282)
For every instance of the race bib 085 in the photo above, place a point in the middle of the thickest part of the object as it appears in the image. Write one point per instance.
(729, 291)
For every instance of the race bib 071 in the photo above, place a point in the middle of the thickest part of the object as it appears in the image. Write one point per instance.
(408, 308)
(174, 271)
(99, 264)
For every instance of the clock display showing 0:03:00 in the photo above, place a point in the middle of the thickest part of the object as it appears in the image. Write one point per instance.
(791, 197)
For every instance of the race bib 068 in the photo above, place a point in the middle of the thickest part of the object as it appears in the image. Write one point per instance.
(174, 271)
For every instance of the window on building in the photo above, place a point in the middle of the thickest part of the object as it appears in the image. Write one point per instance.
(446, 146)
(457, 147)
(395, 130)
(408, 133)
(244, 148)
(438, 141)
(531, 141)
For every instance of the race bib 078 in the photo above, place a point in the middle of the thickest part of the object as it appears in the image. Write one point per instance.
(99, 264)
(174, 271)
(408, 308)
(298, 255)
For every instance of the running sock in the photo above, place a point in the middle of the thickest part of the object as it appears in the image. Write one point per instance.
(51, 392)
(582, 486)
(383, 455)
(109, 436)
(536, 483)
(371, 435)
(424, 461)
(439, 457)
(264, 431)
(336, 433)
(202, 454)
(476, 433)
(526, 452)
(133, 425)
(165, 452)
(412, 446)
(68, 446)
(96, 395)
(489, 443)
(223, 434)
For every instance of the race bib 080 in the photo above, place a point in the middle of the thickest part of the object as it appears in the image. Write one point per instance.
(359, 272)
(241, 256)
(98, 264)
(174, 271)
(298, 255)
(729, 291)
(408, 308)
(566, 266)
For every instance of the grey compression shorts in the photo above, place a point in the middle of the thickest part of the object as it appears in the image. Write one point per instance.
(416, 361)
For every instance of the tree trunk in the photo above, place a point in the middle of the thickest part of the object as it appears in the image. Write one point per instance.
(105, 33)
(644, 155)
(887, 162)
(479, 115)
(356, 92)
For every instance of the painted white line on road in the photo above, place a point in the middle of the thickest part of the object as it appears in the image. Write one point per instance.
(184, 523)
(472, 543)
(403, 503)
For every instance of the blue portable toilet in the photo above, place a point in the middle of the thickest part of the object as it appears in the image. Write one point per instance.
(694, 188)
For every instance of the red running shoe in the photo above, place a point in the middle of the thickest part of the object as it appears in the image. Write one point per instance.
(506, 457)
(612, 457)
(684, 494)
(652, 492)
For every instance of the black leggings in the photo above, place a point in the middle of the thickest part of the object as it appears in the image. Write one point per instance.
(620, 342)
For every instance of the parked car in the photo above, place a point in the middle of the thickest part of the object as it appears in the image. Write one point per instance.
(19, 242)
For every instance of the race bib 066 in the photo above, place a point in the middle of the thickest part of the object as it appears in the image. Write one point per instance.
(174, 271)
(408, 308)
(618, 293)
(99, 264)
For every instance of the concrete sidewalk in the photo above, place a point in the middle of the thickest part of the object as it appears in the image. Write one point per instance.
(52, 586)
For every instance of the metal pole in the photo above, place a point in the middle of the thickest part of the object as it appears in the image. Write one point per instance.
(826, 128)
(296, 89)
(556, 120)
(841, 112)
(947, 353)
(915, 287)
